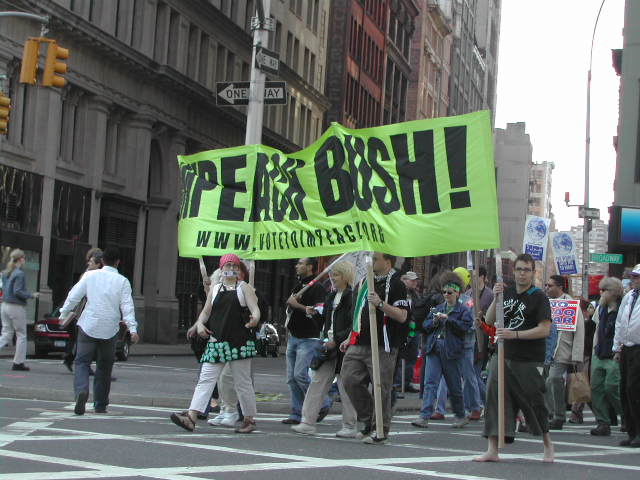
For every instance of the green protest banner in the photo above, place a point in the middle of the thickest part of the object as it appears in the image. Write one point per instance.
(416, 188)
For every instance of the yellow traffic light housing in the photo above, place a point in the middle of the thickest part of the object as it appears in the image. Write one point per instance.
(5, 107)
(30, 61)
(52, 66)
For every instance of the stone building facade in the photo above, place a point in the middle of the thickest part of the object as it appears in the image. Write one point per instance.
(95, 163)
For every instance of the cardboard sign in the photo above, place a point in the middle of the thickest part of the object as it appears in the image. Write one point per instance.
(564, 314)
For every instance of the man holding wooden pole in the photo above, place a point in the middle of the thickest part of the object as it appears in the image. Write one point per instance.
(361, 367)
(527, 322)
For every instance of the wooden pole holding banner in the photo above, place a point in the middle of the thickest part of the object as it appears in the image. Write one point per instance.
(375, 354)
(500, 324)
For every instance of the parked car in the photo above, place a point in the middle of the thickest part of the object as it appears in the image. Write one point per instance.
(50, 336)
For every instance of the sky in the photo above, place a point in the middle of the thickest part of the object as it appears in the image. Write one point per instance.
(543, 62)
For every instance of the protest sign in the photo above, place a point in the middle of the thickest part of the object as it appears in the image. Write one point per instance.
(536, 235)
(564, 314)
(564, 252)
(416, 188)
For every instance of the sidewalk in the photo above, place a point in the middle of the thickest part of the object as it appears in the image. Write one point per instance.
(137, 350)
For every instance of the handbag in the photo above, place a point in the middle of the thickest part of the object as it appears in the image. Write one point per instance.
(322, 355)
(579, 387)
(198, 345)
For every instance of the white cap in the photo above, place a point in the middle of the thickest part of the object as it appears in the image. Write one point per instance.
(414, 275)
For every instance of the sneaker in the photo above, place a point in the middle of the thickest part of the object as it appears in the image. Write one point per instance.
(20, 367)
(290, 421)
(421, 422)
(411, 389)
(576, 418)
(602, 430)
(460, 422)
(304, 428)
(475, 415)
(556, 425)
(345, 432)
(81, 403)
(247, 426)
(365, 432)
(437, 416)
(230, 420)
(217, 420)
(373, 439)
(321, 414)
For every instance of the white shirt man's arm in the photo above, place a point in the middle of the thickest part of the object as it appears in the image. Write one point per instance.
(75, 295)
(127, 308)
(617, 338)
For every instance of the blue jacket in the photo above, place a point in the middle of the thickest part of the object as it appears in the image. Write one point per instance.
(14, 288)
(551, 342)
(459, 322)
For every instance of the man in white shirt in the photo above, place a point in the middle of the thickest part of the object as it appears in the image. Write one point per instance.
(626, 344)
(108, 300)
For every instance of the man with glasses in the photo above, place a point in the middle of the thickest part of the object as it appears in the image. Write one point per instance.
(527, 320)
(626, 344)
(567, 354)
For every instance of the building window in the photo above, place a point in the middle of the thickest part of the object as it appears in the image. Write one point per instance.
(20, 200)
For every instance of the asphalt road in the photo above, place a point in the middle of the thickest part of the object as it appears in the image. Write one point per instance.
(45, 440)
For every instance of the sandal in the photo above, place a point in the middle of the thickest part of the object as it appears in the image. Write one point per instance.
(183, 420)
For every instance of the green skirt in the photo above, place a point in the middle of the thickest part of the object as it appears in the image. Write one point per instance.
(222, 352)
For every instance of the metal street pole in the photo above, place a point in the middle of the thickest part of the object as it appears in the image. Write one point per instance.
(585, 229)
(256, 90)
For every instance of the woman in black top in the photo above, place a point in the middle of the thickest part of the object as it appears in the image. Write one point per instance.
(336, 315)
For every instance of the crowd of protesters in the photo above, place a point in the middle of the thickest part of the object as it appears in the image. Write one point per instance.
(450, 329)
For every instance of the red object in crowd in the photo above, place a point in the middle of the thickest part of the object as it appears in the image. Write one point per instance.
(594, 284)
(489, 330)
(417, 369)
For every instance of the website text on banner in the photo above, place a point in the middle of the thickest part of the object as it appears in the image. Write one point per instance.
(564, 314)
(416, 188)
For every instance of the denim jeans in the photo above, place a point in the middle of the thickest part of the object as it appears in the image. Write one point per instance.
(472, 400)
(104, 351)
(452, 370)
(482, 387)
(443, 392)
(300, 351)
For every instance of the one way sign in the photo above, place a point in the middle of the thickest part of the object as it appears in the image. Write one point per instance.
(237, 93)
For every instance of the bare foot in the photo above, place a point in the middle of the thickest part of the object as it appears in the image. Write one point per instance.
(488, 457)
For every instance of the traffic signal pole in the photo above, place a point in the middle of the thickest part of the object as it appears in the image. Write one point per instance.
(255, 111)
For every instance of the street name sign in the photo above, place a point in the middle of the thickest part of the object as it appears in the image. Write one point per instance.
(267, 61)
(237, 93)
(584, 212)
(606, 257)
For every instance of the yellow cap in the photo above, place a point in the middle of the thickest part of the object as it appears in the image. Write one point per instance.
(464, 275)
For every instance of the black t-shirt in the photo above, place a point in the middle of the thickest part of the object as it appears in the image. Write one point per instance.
(300, 325)
(525, 311)
(397, 332)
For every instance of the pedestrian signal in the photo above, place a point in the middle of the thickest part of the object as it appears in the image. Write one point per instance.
(30, 61)
(52, 66)
(5, 107)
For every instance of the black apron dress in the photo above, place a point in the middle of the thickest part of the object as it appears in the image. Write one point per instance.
(231, 340)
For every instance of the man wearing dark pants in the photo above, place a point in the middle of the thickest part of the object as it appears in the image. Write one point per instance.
(108, 299)
(626, 344)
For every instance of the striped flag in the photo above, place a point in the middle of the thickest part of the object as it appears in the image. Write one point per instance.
(361, 301)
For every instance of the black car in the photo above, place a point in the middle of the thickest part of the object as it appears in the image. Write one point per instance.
(50, 336)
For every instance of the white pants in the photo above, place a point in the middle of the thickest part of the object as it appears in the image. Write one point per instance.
(241, 373)
(14, 319)
(317, 391)
(226, 391)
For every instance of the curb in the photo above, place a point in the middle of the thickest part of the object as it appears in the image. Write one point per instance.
(402, 405)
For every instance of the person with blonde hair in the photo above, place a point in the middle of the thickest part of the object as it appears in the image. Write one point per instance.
(336, 315)
(13, 310)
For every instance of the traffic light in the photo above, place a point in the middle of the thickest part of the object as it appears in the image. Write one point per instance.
(30, 61)
(5, 106)
(52, 66)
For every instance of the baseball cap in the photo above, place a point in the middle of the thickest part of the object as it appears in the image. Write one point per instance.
(636, 270)
(411, 276)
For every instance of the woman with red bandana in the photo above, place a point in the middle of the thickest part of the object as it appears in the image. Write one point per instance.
(233, 308)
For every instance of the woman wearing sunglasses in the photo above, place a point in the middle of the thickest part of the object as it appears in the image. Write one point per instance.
(445, 326)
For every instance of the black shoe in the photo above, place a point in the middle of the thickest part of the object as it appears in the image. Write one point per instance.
(411, 389)
(20, 367)
(321, 414)
(625, 443)
(69, 364)
(602, 430)
(202, 416)
(91, 372)
(635, 443)
(81, 403)
(291, 421)
(99, 410)
(556, 425)
(365, 432)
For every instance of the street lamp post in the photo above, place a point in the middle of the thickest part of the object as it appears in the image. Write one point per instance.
(585, 229)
